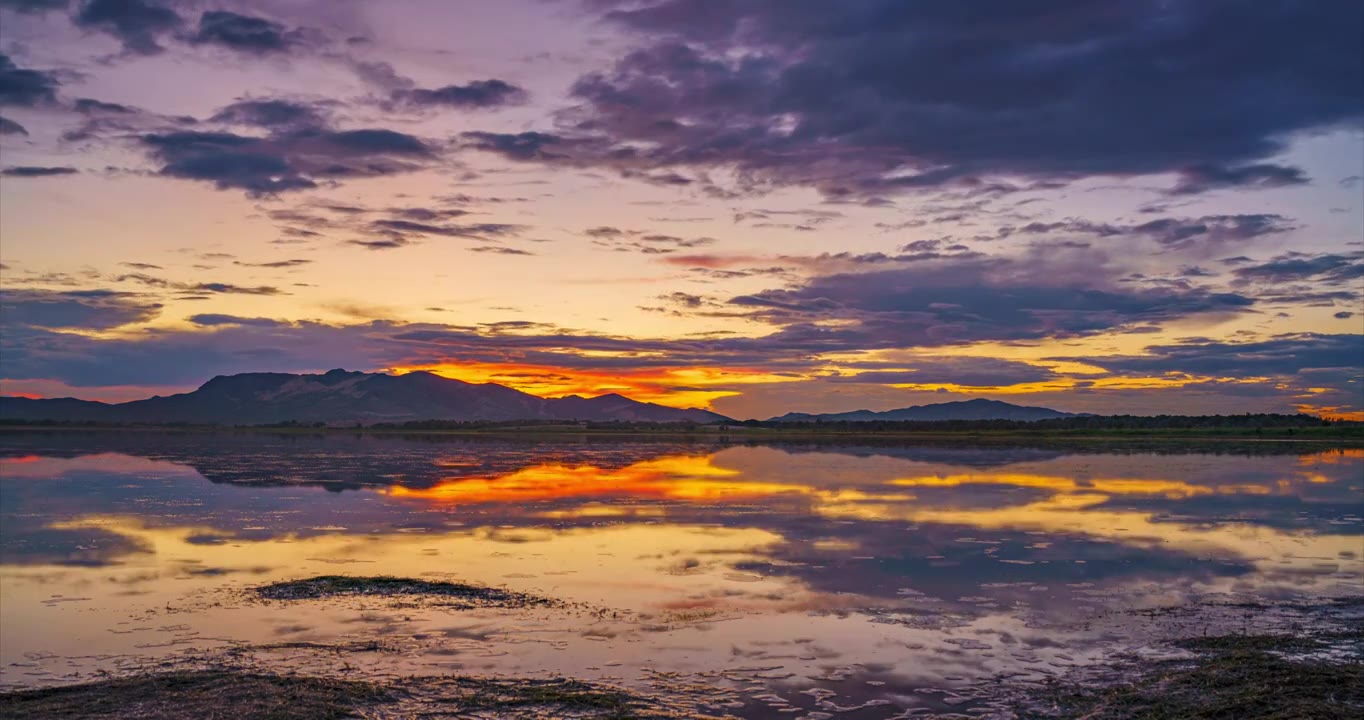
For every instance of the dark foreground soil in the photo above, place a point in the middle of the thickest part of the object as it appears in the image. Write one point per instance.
(1231, 677)
(239, 695)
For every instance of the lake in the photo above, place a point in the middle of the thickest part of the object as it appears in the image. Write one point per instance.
(879, 580)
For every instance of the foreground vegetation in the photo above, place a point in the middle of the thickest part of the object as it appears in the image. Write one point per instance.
(330, 586)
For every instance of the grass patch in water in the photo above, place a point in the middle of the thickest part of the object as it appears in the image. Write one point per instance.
(328, 586)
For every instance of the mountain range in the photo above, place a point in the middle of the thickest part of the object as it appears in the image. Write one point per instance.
(978, 409)
(339, 396)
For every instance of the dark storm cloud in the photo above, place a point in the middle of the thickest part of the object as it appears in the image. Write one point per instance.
(1281, 355)
(221, 346)
(30, 171)
(213, 320)
(74, 309)
(25, 87)
(90, 105)
(225, 344)
(244, 33)
(480, 94)
(543, 147)
(1203, 178)
(34, 6)
(9, 127)
(272, 114)
(138, 24)
(101, 120)
(1327, 268)
(971, 371)
(1173, 233)
(870, 96)
(959, 300)
(294, 160)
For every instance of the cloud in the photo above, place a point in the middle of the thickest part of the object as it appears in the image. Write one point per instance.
(244, 33)
(379, 74)
(390, 243)
(538, 146)
(876, 96)
(30, 171)
(1204, 178)
(170, 358)
(1278, 356)
(214, 320)
(499, 250)
(480, 94)
(194, 288)
(34, 6)
(74, 309)
(1325, 268)
(276, 264)
(968, 371)
(1172, 233)
(618, 240)
(397, 229)
(271, 114)
(25, 87)
(959, 300)
(138, 24)
(9, 127)
(87, 106)
(293, 160)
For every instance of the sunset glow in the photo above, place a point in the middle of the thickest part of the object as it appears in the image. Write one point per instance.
(548, 196)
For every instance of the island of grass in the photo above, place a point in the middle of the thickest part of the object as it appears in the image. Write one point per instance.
(387, 586)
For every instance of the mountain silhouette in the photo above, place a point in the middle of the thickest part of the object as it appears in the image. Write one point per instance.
(339, 396)
(978, 409)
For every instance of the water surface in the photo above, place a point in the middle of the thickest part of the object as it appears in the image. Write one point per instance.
(875, 580)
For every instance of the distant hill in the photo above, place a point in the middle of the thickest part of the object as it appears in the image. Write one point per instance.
(978, 409)
(339, 396)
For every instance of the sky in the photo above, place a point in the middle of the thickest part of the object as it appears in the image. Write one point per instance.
(752, 206)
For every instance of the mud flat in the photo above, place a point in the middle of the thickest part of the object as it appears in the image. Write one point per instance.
(1309, 674)
(243, 695)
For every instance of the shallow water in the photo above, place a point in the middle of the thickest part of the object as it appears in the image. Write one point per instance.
(873, 580)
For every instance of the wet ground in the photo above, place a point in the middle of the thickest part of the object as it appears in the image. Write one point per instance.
(894, 580)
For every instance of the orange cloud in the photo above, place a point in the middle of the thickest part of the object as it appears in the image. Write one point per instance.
(1331, 412)
(674, 387)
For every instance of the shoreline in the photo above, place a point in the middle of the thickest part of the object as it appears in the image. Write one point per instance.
(1346, 437)
(1308, 661)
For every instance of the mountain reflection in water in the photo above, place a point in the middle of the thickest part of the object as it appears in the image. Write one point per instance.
(905, 566)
